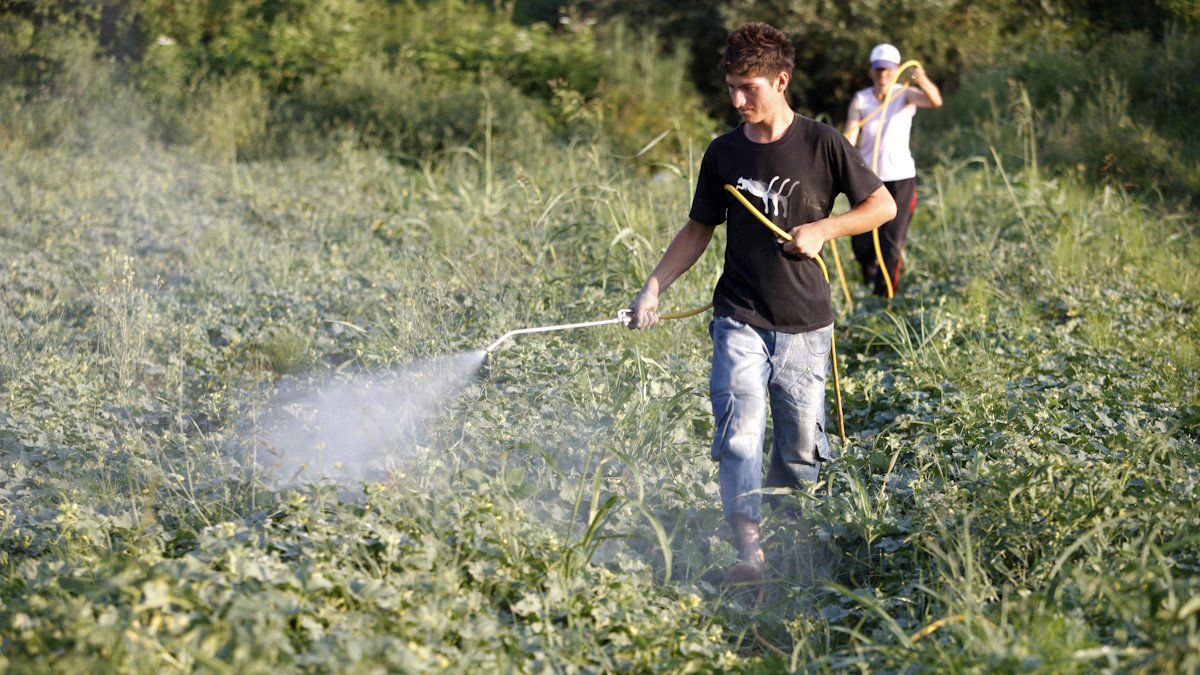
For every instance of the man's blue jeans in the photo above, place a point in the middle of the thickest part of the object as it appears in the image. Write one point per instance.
(748, 363)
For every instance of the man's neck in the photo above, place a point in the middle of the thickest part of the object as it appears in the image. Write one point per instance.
(771, 128)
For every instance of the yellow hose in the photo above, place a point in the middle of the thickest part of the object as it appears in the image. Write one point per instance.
(837, 262)
(934, 626)
(684, 315)
(873, 113)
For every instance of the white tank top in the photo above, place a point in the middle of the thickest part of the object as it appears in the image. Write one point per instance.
(895, 158)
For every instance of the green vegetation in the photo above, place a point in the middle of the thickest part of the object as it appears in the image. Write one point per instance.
(1118, 116)
(254, 80)
(188, 243)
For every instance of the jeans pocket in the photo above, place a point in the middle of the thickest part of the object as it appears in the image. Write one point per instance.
(820, 341)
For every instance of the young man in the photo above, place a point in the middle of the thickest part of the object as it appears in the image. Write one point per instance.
(772, 315)
(894, 162)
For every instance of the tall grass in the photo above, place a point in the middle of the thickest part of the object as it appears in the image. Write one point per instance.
(1007, 406)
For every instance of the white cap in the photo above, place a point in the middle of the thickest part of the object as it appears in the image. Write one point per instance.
(885, 56)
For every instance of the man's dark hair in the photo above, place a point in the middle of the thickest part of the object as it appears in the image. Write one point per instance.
(758, 50)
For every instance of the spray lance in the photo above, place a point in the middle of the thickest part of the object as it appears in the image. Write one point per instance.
(624, 316)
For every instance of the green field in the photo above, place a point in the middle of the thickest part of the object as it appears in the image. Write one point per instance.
(251, 253)
(178, 334)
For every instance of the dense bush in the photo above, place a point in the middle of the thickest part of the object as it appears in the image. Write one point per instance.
(375, 104)
(252, 79)
(249, 79)
(833, 37)
(1115, 114)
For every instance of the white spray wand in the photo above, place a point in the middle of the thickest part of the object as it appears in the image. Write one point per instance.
(623, 317)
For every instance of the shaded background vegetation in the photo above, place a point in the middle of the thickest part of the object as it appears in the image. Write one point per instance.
(1107, 85)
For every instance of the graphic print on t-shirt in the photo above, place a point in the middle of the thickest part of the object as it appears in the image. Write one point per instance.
(772, 197)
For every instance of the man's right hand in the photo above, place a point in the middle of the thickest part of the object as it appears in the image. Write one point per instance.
(643, 310)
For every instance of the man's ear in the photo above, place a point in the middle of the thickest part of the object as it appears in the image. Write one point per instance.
(781, 80)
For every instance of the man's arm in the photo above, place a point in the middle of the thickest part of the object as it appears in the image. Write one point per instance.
(683, 252)
(875, 210)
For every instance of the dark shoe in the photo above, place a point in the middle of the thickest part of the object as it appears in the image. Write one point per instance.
(746, 572)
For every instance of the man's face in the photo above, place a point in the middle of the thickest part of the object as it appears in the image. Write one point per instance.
(755, 97)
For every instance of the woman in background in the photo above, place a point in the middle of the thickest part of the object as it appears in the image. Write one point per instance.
(894, 164)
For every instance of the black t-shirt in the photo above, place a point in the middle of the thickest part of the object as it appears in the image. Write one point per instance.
(792, 181)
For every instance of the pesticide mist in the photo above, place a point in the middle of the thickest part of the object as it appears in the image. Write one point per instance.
(360, 427)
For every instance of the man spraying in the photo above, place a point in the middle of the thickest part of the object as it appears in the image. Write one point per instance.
(772, 316)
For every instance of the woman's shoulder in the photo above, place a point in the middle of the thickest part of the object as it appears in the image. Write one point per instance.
(864, 99)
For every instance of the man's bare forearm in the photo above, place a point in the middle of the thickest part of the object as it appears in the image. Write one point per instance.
(870, 213)
(683, 252)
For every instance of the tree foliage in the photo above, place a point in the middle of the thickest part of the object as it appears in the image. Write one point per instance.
(408, 75)
(949, 37)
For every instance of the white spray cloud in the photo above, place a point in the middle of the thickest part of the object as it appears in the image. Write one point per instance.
(358, 427)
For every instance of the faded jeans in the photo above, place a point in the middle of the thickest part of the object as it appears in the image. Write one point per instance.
(748, 363)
